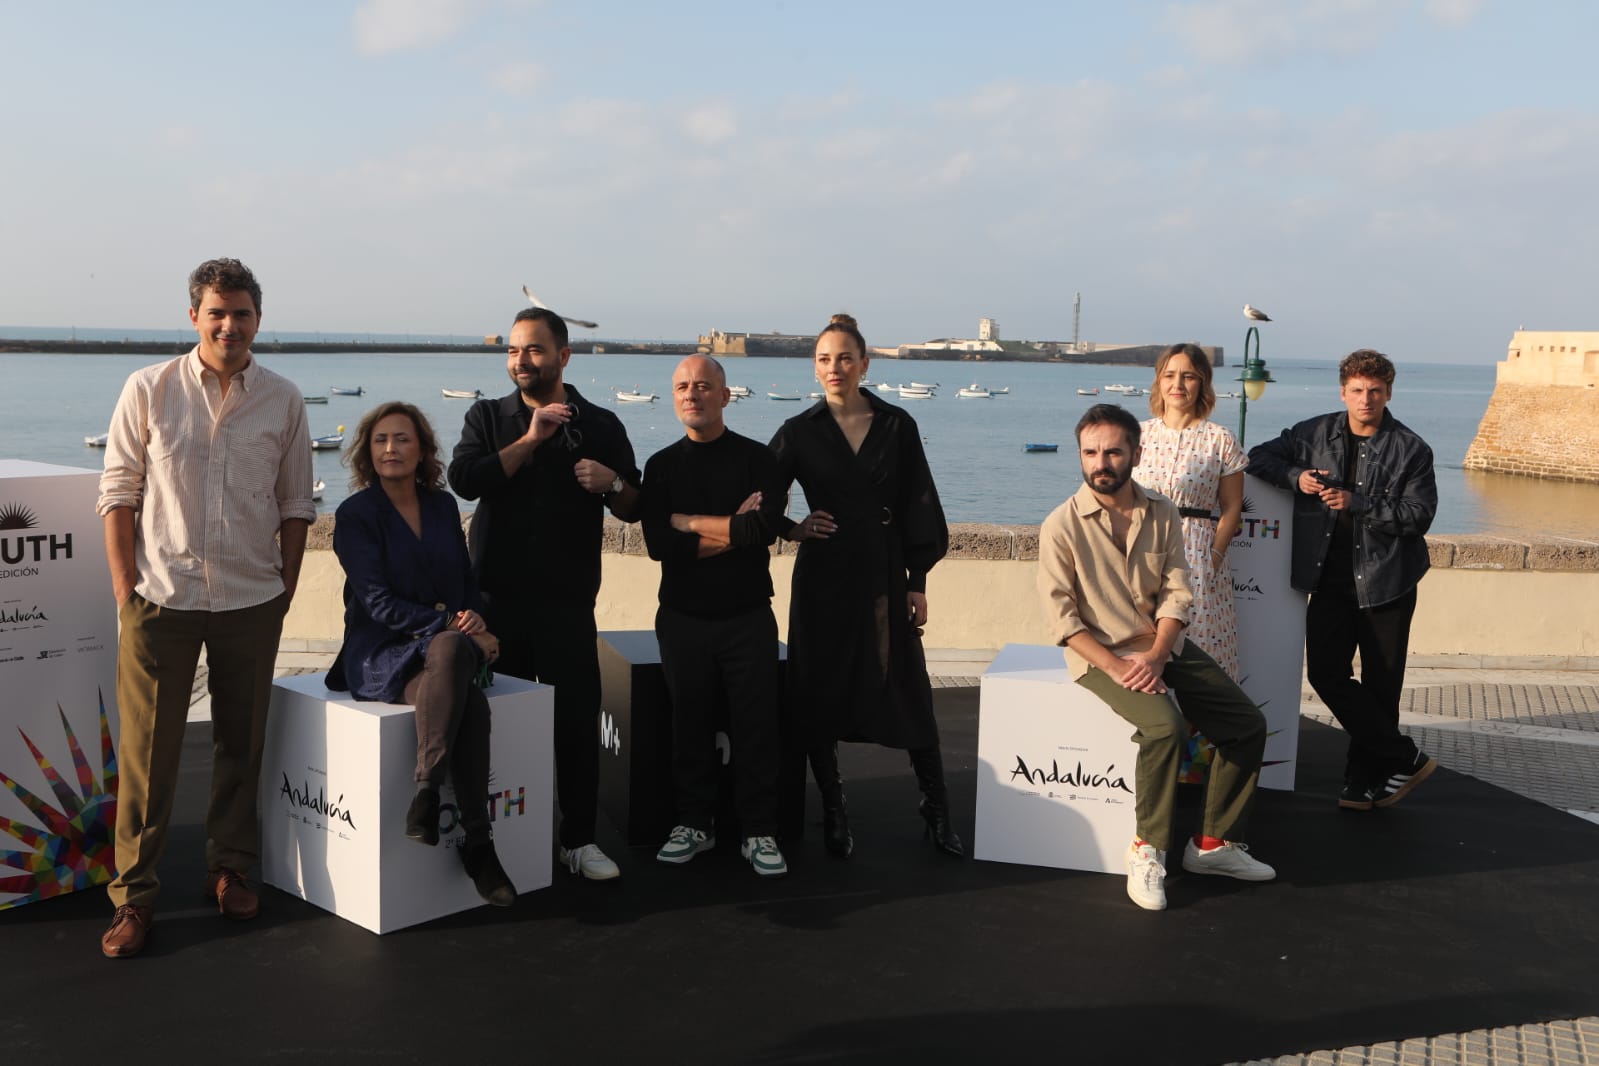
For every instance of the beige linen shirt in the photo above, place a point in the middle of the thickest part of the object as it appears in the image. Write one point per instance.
(210, 479)
(1087, 583)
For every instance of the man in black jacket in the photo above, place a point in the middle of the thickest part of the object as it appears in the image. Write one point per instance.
(544, 464)
(706, 522)
(1365, 496)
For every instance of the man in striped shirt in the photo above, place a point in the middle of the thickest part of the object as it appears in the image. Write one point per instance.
(206, 498)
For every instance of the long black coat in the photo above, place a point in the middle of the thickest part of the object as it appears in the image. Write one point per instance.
(855, 665)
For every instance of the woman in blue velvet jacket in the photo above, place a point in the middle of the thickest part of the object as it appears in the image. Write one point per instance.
(412, 628)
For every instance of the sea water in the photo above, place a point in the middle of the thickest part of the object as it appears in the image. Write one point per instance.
(975, 446)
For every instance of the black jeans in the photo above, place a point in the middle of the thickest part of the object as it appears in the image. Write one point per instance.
(544, 640)
(1368, 709)
(705, 659)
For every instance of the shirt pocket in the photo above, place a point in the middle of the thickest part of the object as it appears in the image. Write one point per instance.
(252, 465)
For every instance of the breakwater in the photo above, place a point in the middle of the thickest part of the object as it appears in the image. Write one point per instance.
(1543, 419)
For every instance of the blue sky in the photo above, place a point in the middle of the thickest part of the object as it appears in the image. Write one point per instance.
(1417, 177)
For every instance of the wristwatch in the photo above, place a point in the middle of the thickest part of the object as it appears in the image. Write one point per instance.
(616, 486)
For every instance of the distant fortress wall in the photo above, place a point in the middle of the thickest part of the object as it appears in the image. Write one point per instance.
(790, 345)
(1543, 419)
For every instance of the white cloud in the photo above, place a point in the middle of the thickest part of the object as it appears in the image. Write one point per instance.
(384, 26)
(711, 124)
(1226, 31)
(519, 77)
(1452, 13)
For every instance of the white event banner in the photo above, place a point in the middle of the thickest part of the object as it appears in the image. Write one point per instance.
(58, 722)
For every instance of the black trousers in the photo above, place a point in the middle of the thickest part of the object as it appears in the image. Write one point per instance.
(453, 725)
(705, 659)
(1368, 709)
(544, 640)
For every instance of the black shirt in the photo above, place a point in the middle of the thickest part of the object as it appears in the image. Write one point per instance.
(537, 531)
(1338, 570)
(712, 478)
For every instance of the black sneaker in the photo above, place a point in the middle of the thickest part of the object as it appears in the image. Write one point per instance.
(1402, 781)
(1357, 797)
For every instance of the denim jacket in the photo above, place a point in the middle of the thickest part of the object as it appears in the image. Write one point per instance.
(1395, 499)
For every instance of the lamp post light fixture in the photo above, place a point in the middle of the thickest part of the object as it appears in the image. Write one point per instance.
(1255, 377)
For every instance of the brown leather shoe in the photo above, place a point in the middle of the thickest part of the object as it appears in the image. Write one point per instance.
(126, 935)
(235, 898)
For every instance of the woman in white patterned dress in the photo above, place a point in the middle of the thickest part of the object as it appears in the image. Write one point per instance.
(1199, 465)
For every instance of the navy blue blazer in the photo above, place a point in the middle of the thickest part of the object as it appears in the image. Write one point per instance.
(399, 591)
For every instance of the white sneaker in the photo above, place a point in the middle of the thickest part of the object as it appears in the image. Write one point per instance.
(589, 861)
(684, 843)
(1146, 876)
(1229, 860)
(762, 854)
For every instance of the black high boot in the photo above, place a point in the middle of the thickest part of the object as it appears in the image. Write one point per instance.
(483, 863)
(929, 766)
(835, 817)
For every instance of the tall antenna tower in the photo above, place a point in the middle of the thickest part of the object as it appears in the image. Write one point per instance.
(1077, 321)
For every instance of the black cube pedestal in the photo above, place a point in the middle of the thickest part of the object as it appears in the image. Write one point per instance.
(636, 790)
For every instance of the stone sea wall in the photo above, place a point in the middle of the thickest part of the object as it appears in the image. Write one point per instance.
(1543, 419)
(1488, 601)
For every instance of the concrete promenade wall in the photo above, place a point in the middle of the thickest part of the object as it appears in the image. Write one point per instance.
(1490, 598)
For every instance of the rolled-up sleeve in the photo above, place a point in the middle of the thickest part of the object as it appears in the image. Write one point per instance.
(122, 483)
(293, 488)
(1057, 581)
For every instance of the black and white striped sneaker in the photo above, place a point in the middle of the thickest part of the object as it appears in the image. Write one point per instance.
(1400, 782)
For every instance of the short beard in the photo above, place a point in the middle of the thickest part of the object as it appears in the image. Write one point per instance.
(1089, 475)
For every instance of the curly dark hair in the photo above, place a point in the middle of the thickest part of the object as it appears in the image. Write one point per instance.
(358, 456)
(1367, 363)
(1206, 401)
(223, 275)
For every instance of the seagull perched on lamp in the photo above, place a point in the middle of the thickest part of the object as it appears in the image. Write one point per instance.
(1253, 313)
(540, 303)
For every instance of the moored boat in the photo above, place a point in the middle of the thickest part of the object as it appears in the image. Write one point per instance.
(316, 489)
(316, 399)
(342, 390)
(330, 442)
(1089, 392)
(785, 396)
(915, 392)
(462, 394)
(1040, 447)
(740, 392)
(635, 397)
(96, 441)
(974, 391)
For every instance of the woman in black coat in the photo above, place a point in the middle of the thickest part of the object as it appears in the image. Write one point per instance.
(855, 665)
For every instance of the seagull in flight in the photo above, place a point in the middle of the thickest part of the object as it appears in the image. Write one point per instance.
(1254, 313)
(540, 303)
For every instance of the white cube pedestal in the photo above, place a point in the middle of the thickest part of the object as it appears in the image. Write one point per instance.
(337, 777)
(1055, 767)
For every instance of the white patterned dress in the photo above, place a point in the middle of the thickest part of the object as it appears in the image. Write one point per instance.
(1187, 466)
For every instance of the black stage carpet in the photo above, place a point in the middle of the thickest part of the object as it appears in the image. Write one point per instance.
(1463, 907)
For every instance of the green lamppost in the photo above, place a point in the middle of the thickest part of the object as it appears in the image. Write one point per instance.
(1255, 377)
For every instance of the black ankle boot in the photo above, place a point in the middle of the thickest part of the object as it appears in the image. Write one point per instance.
(934, 809)
(422, 817)
(835, 815)
(488, 876)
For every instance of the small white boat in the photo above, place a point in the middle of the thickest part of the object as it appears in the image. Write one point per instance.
(924, 385)
(635, 397)
(740, 392)
(96, 441)
(340, 390)
(915, 392)
(886, 387)
(974, 391)
(316, 490)
(1089, 392)
(316, 399)
(1000, 392)
(330, 443)
(1125, 390)
(784, 396)
(1229, 395)
(462, 394)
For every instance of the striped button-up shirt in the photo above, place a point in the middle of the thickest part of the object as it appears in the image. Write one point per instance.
(210, 479)
(1088, 583)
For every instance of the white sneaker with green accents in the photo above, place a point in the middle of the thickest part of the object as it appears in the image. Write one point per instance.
(762, 854)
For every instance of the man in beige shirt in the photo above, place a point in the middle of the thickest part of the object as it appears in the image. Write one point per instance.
(1115, 593)
(206, 498)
